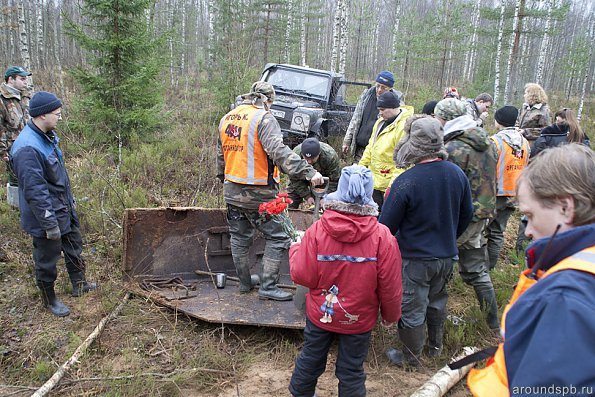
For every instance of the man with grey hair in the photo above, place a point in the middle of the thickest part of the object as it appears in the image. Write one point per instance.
(250, 152)
(478, 108)
(470, 147)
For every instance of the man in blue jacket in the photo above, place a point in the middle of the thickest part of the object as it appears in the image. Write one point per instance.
(46, 202)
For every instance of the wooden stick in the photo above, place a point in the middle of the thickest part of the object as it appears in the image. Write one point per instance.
(232, 278)
(443, 380)
(59, 374)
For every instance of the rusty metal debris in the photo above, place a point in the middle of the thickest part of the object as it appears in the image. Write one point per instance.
(179, 288)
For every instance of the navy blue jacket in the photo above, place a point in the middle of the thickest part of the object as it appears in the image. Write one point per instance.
(45, 198)
(552, 136)
(427, 208)
(550, 328)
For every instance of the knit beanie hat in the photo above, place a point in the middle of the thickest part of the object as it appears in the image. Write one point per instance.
(43, 102)
(429, 108)
(424, 140)
(450, 108)
(385, 77)
(356, 186)
(310, 148)
(506, 116)
(388, 100)
(261, 89)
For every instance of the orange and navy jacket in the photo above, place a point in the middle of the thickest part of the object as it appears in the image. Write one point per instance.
(509, 165)
(246, 162)
(548, 326)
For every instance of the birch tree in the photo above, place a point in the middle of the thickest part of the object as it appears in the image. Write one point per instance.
(470, 56)
(544, 43)
(303, 47)
(288, 29)
(344, 38)
(499, 52)
(513, 34)
(336, 34)
(579, 113)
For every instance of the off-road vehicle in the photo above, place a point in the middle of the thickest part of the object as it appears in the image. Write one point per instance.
(311, 102)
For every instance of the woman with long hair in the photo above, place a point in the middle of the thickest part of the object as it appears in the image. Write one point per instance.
(566, 129)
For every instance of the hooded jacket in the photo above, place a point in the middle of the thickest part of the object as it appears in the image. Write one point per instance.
(470, 148)
(378, 156)
(14, 115)
(349, 249)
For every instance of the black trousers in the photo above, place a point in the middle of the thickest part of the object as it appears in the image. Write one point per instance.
(311, 363)
(46, 254)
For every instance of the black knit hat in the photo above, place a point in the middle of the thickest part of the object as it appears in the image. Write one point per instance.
(388, 100)
(43, 102)
(310, 148)
(429, 108)
(506, 116)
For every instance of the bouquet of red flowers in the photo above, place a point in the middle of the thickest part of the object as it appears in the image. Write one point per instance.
(277, 210)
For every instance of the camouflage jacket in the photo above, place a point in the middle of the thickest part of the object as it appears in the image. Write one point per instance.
(473, 111)
(356, 119)
(473, 150)
(251, 196)
(14, 115)
(328, 165)
(532, 119)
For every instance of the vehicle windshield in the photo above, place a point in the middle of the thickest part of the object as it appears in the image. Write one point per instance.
(298, 82)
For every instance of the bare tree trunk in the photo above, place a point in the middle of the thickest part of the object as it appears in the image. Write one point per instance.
(303, 47)
(499, 52)
(515, 24)
(211, 35)
(40, 45)
(24, 40)
(344, 38)
(579, 112)
(470, 55)
(289, 28)
(183, 36)
(336, 35)
(396, 31)
(544, 43)
(58, 46)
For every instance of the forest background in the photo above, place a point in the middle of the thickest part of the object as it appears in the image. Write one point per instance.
(145, 83)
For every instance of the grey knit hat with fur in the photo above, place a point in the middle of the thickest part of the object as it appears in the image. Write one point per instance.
(424, 140)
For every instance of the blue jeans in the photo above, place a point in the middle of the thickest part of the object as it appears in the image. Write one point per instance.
(311, 363)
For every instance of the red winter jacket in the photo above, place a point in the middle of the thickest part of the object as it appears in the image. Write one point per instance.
(349, 249)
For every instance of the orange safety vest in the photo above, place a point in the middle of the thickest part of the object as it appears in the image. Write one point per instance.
(509, 166)
(246, 162)
(492, 380)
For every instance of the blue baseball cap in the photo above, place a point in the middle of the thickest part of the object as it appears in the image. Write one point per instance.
(16, 70)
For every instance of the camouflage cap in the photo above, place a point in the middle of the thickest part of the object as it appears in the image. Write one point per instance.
(16, 70)
(450, 108)
(261, 89)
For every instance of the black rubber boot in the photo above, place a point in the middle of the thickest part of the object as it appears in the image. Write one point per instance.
(268, 281)
(242, 265)
(48, 296)
(413, 342)
(80, 285)
(488, 305)
(435, 321)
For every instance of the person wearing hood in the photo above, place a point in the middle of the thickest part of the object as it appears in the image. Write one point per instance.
(513, 156)
(429, 205)
(387, 132)
(352, 267)
(549, 324)
(470, 147)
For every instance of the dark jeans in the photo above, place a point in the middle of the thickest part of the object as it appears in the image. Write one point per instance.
(46, 254)
(311, 362)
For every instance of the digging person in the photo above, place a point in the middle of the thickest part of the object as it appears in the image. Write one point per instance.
(250, 152)
(46, 203)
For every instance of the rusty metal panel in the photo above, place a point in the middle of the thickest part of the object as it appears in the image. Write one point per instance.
(178, 241)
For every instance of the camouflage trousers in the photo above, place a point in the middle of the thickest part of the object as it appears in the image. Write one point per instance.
(244, 222)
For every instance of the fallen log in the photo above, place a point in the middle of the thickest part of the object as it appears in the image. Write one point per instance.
(443, 380)
(59, 374)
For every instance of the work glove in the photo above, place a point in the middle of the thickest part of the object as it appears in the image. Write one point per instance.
(53, 233)
(317, 179)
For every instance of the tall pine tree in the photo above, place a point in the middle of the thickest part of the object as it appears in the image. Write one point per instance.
(123, 96)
